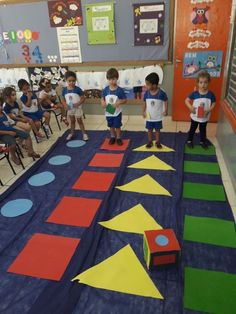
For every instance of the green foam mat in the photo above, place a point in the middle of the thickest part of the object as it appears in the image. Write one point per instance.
(209, 291)
(202, 167)
(206, 192)
(210, 230)
(198, 150)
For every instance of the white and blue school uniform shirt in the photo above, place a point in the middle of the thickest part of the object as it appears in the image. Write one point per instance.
(204, 101)
(72, 96)
(33, 105)
(6, 124)
(111, 97)
(155, 105)
(12, 109)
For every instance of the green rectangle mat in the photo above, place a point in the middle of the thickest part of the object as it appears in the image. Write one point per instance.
(198, 150)
(209, 291)
(210, 230)
(201, 167)
(206, 192)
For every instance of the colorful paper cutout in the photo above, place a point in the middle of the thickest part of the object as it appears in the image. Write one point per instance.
(151, 162)
(210, 230)
(121, 272)
(206, 192)
(143, 148)
(134, 220)
(45, 256)
(209, 291)
(75, 211)
(106, 160)
(115, 147)
(94, 181)
(201, 167)
(146, 185)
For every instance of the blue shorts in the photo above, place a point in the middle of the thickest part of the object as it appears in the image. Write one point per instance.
(11, 140)
(35, 116)
(114, 122)
(157, 125)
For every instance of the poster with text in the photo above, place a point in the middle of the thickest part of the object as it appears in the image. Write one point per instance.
(100, 23)
(210, 61)
(65, 13)
(149, 20)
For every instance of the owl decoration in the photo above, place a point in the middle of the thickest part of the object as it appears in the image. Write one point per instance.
(200, 19)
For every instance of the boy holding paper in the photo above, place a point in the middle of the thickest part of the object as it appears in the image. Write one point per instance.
(113, 97)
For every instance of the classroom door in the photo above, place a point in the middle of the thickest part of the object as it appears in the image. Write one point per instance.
(201, 38)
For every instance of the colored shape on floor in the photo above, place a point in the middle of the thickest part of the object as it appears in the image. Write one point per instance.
(75, 143)
(151, 162)
(107, 146)
(205, 192)
(134, 220)
(45, 256)
(146, 185)
(94, 181)
(210, 230)
(164, 149)
(201, 167)
(106, 160)
(59, 160)
(198, 150)
(75, 211)
(41, 179)
(16, 207)
(209, 291)
(120, 272)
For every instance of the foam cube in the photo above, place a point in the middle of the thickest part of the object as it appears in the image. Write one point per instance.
(161, 248)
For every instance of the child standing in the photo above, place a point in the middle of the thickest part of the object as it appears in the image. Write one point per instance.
(73, 97)
(155, 107)
(113, 97)
(200, 103)
(48, 99)
(31, 110)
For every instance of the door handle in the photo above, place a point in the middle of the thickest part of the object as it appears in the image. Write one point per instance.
(178, 60)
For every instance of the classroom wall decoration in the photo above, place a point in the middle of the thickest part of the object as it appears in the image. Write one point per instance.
(65, 13)
(54, 74)
(210, 61)
(10, 77)
(100, 23)
(69, 44)
(149, 24)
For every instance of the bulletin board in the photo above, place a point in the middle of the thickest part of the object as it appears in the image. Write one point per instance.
(40, 45)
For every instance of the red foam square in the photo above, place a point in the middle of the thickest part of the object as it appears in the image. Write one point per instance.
(45, 256)
(106, 160)
(164, 259)
(75, 211)
(107, 146)
(94, 181)
(173, 244)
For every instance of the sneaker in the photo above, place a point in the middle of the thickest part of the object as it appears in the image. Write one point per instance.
(112, 140)
(204, 145)
(33, 155)
(47, 131)
(149, 144)
(40, 135)
(70, 136)
(85, 137)
(158, 145)
(190, 144)
(119, 142)
(39, 139)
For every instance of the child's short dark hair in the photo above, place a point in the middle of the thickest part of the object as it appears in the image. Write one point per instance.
(112, 73)
(152, 78)
(22, 83)
(7, 92)
(204, 74)
(70, 74)
(43, 82)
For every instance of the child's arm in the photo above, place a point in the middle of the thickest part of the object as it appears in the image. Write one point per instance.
(144, 109)
(166, 108)
(189, 105)
(29, 97)
(210, 109)
(63, 101)
(3, 132)
(103, 102)
(120, 102)
(82, 99)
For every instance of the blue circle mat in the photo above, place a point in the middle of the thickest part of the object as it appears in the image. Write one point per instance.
(59, 160)
(16, 207)
(162, 240)
(41, 178)
(75, 143)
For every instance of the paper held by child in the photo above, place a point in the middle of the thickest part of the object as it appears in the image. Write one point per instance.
(110, 109)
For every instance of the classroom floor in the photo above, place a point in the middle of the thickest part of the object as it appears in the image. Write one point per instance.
(130, 123)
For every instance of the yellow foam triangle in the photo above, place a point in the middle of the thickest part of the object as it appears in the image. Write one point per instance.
(134, 220)
(146, 185)
(164, 149)
(151, 162)
(120, 272)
